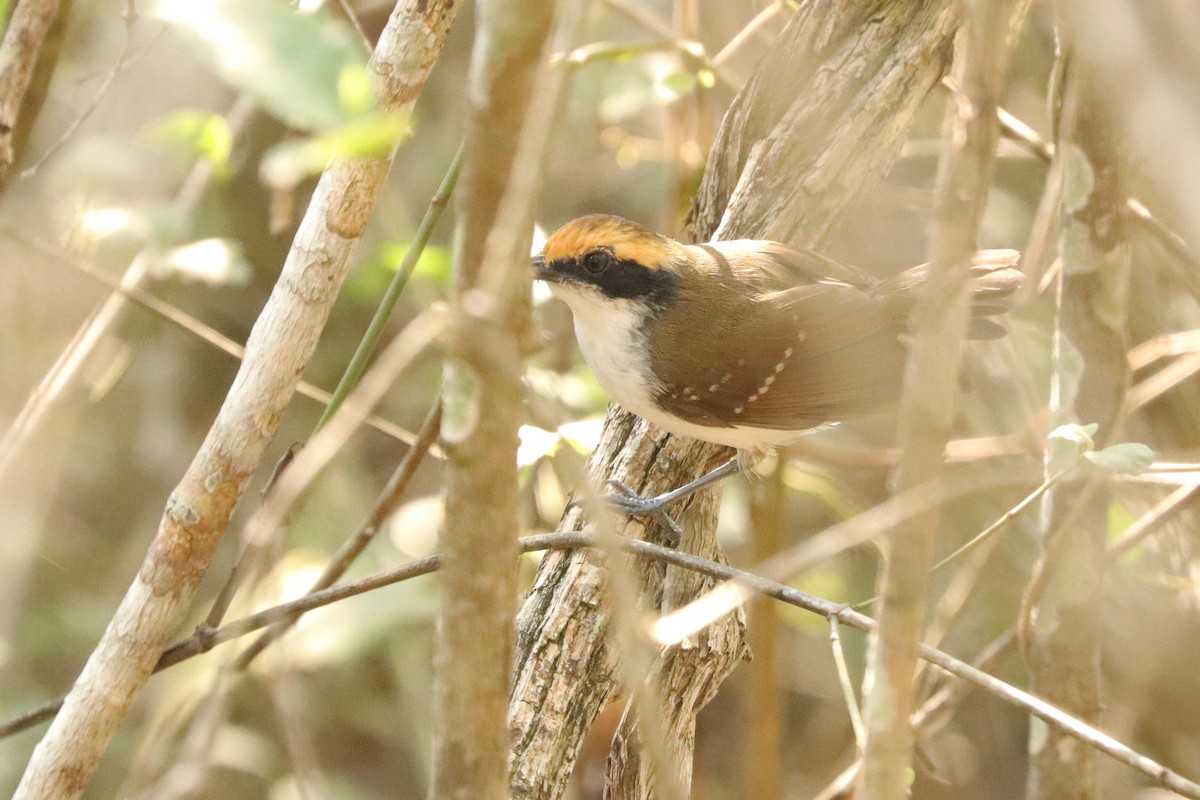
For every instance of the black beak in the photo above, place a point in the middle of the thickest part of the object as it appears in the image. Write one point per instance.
(540, 271)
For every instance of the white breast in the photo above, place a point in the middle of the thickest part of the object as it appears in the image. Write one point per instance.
(612, 340)
(611, 337)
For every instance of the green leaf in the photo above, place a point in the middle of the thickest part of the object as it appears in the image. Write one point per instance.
(1126, 458)
(1081, 435)
(295, 65)
(198, 133)
(356, 89)
(373, 135)
(679, 82)
(1067, 443)
(707, 77)
(436, 264)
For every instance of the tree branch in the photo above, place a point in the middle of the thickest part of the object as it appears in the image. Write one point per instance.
(826, 111)
(1068, 584)
(573, 540)
(937, 325)
(19, 51)
(513, 98)
(198, 511)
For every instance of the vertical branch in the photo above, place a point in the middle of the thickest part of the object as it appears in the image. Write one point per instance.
(827, 110)
(1065, 626)
(688, 676)
(482, 399)
(19, 50)
(762, 706)
(277, 352)
(938, 326)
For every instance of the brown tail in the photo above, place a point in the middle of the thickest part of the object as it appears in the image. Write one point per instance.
(995, 280)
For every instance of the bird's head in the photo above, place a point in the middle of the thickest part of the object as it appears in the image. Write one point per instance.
(601, 256)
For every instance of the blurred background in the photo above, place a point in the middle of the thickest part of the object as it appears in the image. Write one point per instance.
(107, 177)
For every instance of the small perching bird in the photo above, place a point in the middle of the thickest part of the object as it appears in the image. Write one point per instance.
(743, 343)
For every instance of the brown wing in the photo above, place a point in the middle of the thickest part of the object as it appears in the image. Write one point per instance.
(785, 360)
(763, 266)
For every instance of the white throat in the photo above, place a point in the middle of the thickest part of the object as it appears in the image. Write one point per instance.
(613, 341)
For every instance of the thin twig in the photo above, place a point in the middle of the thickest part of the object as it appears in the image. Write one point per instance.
(778, 591)
(819, 549)
(387, 502)
(117, 68)
(191, 325)
(66, 368)
(1006, 518)
(1162, 512)
(199, 509)
(743, 36)
(355, 23)
(1161, 382)
(843, 672)
(1135, 210)
(370, 339)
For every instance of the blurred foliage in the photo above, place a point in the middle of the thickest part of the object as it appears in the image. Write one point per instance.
(340, 708)
(198, 133)
(301, 67)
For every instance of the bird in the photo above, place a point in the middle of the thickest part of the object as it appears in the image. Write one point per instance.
(744, 343)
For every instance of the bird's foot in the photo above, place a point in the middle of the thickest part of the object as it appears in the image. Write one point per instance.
(627, 501)
(630, 502)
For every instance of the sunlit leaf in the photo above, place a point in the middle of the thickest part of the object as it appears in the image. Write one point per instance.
(372, 278)
(373, 135)
(199, 133)
(100, 223)
(217, 262)
(1080, 435)
(606, 51)
(679, 82)
(1126, 458)
(583, 435)
(434, 264)
(536, 444)
(294, 64)
(1119, 519)
(356, 89)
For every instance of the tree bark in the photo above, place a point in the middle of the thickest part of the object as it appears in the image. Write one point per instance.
(483, 400)
(937, 326)
(1065, 624)
(820, 122)
(198, 511)
(24, 36)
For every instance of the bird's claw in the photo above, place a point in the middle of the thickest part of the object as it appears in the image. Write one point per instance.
(631, 503)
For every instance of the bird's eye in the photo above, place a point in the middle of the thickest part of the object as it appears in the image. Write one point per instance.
(597, 261)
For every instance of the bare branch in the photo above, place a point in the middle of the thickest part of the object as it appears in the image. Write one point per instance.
(571, 540)
(937, 327)
(1068, 583)
(19, 51)
(186, 322)
(826, 111)
(199, 509)
(513, 100)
